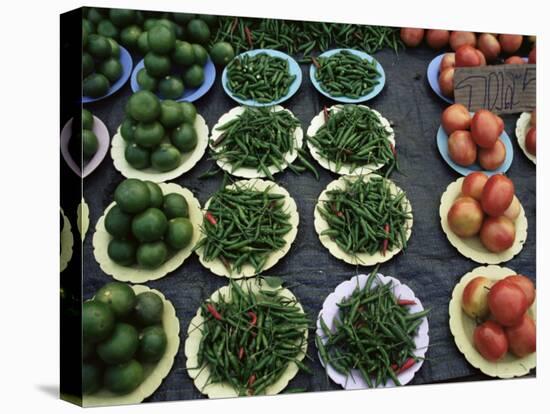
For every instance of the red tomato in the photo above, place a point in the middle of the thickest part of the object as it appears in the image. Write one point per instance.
(437, 39)
(507, 303)
(490, 341)
(459, 38)
(531, 141)
(485, 128)
(473, 184)
(525, 284)
(533, 55)
(467, 56)
(497, 195)
(448, 61)
(522, 338)
(474, 297)
(498, 233)
(412, 37)
(492, 158)
(455, 117)
(446, 82)
(510, 43)
(489, 46)
(462, 148)
(465, 217)
(514, 60)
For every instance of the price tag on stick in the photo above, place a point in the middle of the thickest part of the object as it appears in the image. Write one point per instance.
(503, 89)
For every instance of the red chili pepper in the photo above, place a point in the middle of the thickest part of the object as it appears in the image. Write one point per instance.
(234, 25)
(213, 311)
(333, 208)
(253, 318)
(211, 218)
(241, 353)
(251, 380)
(393, 150)
(325, 112)
(406, 302)
(225, 262)
(248, 37)
(315, 62)
(386, 240)
(408, 363)
(357, 35)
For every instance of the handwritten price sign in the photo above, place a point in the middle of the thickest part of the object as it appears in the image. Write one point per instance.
(504, 89)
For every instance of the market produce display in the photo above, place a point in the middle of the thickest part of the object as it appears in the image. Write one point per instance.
(258, 142)
(352, 140)
(373, 333)
(363, 220)
(492, 317)
(248, 338)
(147, 232)
(347, 74)
(122, 25)
(483, 218)
(247, 228)
(130, 338)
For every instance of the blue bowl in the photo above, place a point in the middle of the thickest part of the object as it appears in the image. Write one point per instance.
(377, 89)
(433, 78)
(443, 148)
(126, 62)
(189, 94)
(294, 70)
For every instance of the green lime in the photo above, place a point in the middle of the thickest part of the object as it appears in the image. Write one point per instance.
(167, 23)
(145, 81)
(85, 34)
(95, 15)
(183, 53)
(198, 31)
(152, 344)
(150, 225)
(148, 24)
(149, 134)
(209, 19)
(184, 138)
(119, 296)
(95, 85)
(89, 27)
(179, 233)
(115, 48)
(171, 114)
(118, 223)
(91, 378)
(201, 55)
(90, 144)
(107, 29)
(161, 39)
(193, 77)
(88, 65)
(152, 255)
(144, 106)
(88, 350)
(143, 43)
(183, 18)
(132, 196)
(149, 309)
(129, 36)
(138, 157)
(175, 205)
(87, 119)
(98, 46)
(171, 87)
(157, 65)
(112, 69)
(120, 346)
(123, 378)
(165, 158)
(189, 112)
(128, 129)
(156, 194)
(222, 53)
(98, 321)
(122, 17)
(122, 252)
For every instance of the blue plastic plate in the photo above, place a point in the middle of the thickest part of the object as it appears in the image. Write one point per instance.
(126, 62)
(433, 77)
(189, 95)
(443, 148)
(294, 70)
(377, 89)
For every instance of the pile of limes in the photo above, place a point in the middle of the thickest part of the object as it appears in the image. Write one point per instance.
(122, 25)
(89, 139)
(147, 226)
(157, 132)
(122, 332)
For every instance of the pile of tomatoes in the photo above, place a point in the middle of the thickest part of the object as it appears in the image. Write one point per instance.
(487, 207)
(474, 138)
(501, 308)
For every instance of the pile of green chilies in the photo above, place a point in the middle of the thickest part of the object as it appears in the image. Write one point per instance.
(346, 74)
(365, 217)
(304, 38)
(355, 136)
(249, 339)
(258, 138)
(373, 333)
(244, 226)
(261, 77)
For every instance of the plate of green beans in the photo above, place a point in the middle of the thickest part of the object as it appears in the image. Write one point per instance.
(372, 332)
(247, 228)
(347, 75)
(247, 339)
(363, 220)
(256, 142)
(352, 140)
(261, 77)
